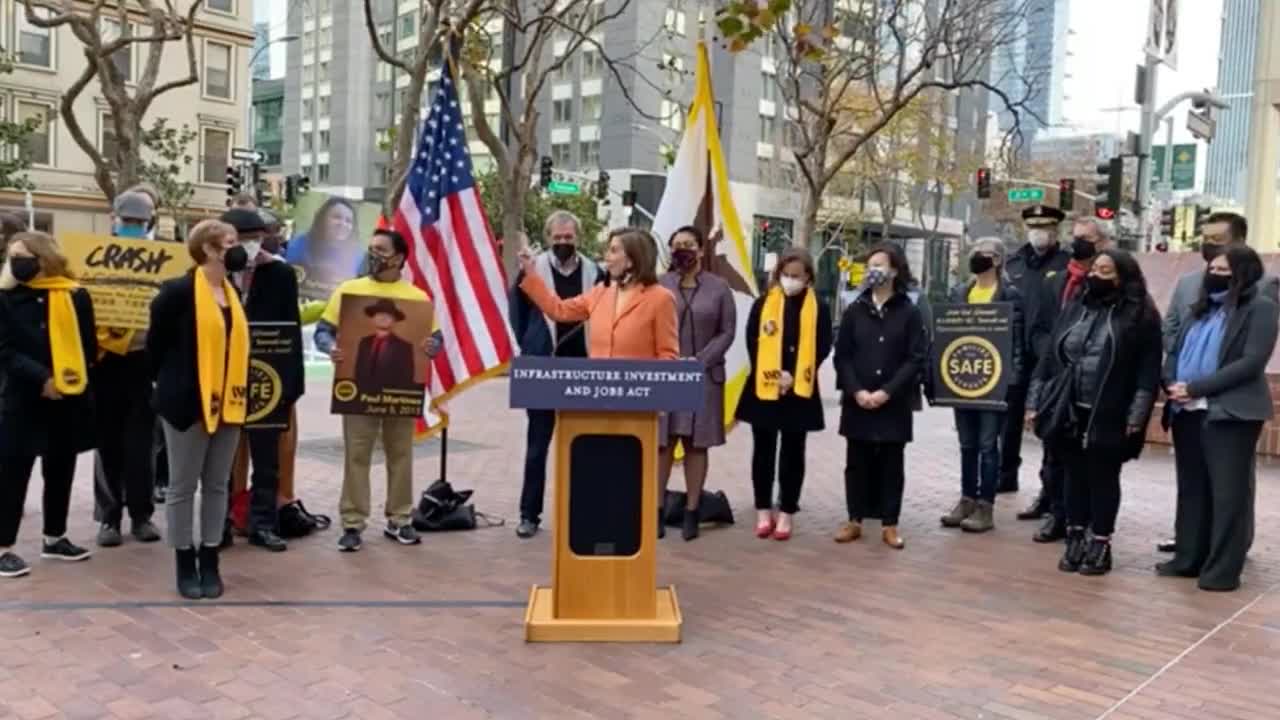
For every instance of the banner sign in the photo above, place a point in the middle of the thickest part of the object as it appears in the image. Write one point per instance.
(548, 383)
(271, 345)
(384, 367)
(122, 275)
(972, 351)
(329, 242)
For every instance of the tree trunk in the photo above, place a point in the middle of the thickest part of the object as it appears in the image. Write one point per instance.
(512, 223)
(808, 219)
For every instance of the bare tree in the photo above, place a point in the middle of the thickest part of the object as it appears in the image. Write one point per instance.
(128, 102)
(872, 60)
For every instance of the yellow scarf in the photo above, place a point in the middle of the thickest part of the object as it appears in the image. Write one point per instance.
(769, 346)
(70, 374)
(223, 372)
(114, 340)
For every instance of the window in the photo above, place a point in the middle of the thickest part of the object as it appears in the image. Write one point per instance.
(226, 6)
(592, 107)
(306, 109)
(35, 45)
(322, 172)
(592, 64)
(217, 70)
(384, 35)
(39, 149)
(123, 58)
(107, 137)
(324, 7)
(674, 21)
(324, 140)
(770, 91)
(562, 111)
(385, 72)
(767, 129)
(326, 37)
(565, 71)
(408, 27)
(672, 115)
(215, 151)
(322, 74)
(562, 154)
(590, 153)
(308, 142)
(382, 104)
(323, 107)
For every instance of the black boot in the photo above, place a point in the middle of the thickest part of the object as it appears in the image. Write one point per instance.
(689, 530)
(1051, 530)
(1097, 559)
(1036, 509)
(188, 575)
(210, 579)
(1074, 554)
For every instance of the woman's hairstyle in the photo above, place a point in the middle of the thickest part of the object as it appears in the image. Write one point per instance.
(1246, 270)
(316, 236)
(790, 255)
(1133, 284)
(898, 261)
(641, 250)
(42, 245)
(695, 232)
(206, 232)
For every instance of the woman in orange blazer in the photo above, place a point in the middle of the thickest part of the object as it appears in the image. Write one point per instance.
(632, 317)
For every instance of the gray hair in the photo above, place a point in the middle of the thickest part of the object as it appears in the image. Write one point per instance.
(1105, 228)
(991, 244)
(560, 217)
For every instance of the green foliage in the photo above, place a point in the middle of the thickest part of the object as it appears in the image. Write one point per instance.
(167, 164)
(14, 166)
(539, 206)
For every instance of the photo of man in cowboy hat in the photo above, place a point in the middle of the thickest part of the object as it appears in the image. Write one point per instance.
(384, 359)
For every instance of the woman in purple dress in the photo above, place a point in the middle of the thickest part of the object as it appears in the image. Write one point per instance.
(707, 323)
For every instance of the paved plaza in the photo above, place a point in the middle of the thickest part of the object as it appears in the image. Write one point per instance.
(955, 626)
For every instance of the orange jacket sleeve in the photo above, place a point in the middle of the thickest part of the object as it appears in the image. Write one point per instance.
(574, 309)
(666, 336)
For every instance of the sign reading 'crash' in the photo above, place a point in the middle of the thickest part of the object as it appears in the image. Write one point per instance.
(122, 275)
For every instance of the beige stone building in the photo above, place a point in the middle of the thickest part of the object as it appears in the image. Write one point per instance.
(47, 62)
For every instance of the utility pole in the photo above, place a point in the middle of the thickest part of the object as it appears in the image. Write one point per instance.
(1264, 127)
(1146, 131)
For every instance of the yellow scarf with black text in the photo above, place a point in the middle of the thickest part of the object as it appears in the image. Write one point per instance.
(769, 346)
(222, 357)
(70, 371)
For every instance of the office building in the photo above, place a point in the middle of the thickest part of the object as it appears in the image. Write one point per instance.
(268, 123)
(1034, 66)
(261, 58)
(48, 62)
(1228, 153)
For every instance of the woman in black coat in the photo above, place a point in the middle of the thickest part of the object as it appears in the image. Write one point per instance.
(47, 343)
(880, 352)
(1219, 399)
(1105, 350)
(788, 337)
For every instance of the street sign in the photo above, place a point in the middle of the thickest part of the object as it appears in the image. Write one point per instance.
(1202, 125)
(1026, 195)
(1184, 167)
(557, 187)
(246, 155)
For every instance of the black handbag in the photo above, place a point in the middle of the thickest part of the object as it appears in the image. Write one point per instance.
(713, 507)
(295, 521)
(442, 508)
(1055, 414)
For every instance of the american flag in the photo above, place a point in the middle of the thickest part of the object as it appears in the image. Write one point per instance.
(452, 254)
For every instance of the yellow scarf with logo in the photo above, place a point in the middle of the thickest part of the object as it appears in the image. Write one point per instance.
(70, 374)
(114, 340)
(223, 371)
(769, 346)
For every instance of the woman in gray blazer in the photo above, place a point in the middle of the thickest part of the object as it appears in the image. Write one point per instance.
(1219, 399)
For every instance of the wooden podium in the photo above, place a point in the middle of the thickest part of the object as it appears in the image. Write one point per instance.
(604, 569)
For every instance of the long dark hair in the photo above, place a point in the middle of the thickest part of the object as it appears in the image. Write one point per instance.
(316, 237)
(1134, 298)
(903, 281)
(1246, 270)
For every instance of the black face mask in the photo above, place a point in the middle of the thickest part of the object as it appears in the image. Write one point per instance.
(235, 259)
(1082, 249)
(1209, 251)
(1102, 287)
(564, 252)
(979, 264)
(1212, 283)
(24, 269)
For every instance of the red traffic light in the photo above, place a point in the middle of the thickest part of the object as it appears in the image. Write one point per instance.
(1105, 213)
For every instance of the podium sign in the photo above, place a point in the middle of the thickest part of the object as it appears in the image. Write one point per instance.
(604, 571)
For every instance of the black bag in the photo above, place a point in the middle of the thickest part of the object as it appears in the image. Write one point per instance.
(296, 522)
(713, 507)
(1055, 415)
(442, 508)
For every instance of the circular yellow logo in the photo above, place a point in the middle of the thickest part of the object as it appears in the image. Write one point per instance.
(971, 367)
(265, 389)
(770, 328)
(344, 390)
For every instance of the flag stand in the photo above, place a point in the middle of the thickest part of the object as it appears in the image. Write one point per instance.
(444, 453)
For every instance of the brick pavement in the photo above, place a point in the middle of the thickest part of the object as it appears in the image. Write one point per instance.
(953, 627)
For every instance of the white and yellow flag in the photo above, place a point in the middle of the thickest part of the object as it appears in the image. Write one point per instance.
(697, 193)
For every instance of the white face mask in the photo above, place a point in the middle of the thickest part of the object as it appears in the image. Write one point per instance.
(790, 285)
(253, 247)
(1040, 239)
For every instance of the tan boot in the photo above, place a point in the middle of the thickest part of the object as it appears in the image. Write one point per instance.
(892, 539)
(849, 532)
(962, 510)
(981, 520)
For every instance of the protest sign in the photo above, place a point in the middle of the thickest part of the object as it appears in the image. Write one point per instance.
(972, 354)
(122, 275)
(272, 346)
(384, 367)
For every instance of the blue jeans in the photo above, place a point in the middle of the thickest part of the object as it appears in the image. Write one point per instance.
(979, 432)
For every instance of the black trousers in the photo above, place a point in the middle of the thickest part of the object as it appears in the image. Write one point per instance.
(264, 453)
(1093, 488)
(59, 470)
(1214, 521)
(874, 476)
(542, 426)
(787, 466)
(123, 472)
(1053, 482)
(160, 457)
(1011, 438)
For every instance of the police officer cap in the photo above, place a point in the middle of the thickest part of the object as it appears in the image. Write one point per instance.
(1042, 215)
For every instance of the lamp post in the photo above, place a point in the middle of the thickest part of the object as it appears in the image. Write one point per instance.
(248, 111)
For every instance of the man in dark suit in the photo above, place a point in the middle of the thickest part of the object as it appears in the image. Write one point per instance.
(384, 359)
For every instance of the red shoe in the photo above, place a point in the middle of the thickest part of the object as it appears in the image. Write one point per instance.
(765, 529)
(781, 535)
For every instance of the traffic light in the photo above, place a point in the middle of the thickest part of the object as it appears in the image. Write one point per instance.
(1168, 218)
(1202, 216)
(544, 171)
(291, 189)
(304, 184)
(259, 187)
(602, 186)
(628, 198)
(235, 181)
(1066, 194)
(984, 183)
(1110, 187)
